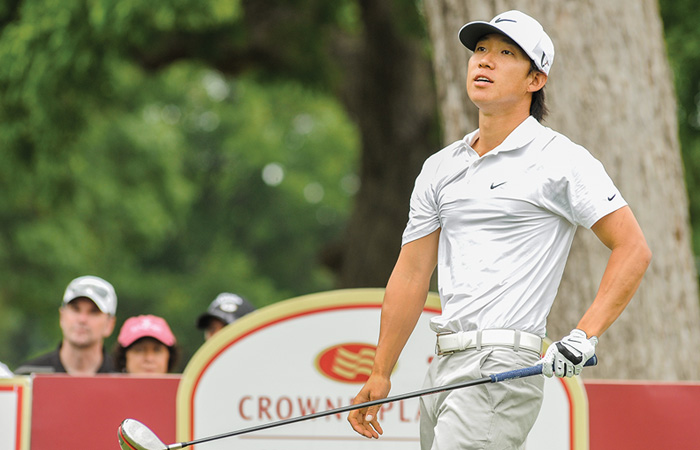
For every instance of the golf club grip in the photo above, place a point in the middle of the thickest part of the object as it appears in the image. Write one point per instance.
(530, 371)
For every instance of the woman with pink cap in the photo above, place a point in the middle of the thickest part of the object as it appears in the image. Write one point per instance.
(145, 346)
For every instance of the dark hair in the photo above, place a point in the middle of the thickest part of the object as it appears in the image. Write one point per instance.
(119, 356)
(538, 107)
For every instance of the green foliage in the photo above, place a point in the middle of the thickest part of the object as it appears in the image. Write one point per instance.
(175, 184)
(680, 19)
(182, 148)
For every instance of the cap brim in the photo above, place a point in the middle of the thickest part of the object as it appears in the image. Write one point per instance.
(128, 342)
(204, 319)
(470, 33)
(97, 303)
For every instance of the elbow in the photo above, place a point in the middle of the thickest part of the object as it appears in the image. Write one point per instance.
(644, 255)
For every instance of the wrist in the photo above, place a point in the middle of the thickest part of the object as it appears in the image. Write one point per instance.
(585, 333)
(380, 372)
(586, 344)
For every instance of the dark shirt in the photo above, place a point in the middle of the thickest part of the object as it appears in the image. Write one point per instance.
(51, 363)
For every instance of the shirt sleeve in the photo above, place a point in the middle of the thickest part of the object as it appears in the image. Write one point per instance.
(579, 188)
(423, 216)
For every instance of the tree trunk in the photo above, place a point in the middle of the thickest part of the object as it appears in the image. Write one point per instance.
(389, 92)
(610, 90)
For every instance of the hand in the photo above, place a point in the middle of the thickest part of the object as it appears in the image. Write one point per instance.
(364, 421)
(566, 358)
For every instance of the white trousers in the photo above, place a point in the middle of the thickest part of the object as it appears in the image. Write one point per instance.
(492, 416)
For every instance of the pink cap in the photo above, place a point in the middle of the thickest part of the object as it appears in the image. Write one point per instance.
(145, 326)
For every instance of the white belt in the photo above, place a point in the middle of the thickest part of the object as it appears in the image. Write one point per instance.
(449, 342)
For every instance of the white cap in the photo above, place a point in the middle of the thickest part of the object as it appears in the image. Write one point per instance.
(96, 289)
(521, 28)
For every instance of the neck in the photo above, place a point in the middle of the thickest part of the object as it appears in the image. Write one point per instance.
(81, 360)
(495, 128)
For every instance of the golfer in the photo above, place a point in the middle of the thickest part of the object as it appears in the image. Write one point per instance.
(496, 212)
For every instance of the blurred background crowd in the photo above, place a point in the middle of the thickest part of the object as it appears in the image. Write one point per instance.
(146, 344)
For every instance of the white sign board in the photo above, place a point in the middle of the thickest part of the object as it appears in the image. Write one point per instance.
(302, 356)
(15, 398)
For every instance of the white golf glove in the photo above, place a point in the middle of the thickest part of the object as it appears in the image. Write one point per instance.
(566, 358)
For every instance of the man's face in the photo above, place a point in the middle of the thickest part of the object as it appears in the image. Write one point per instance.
(499, 76)
(83, 324)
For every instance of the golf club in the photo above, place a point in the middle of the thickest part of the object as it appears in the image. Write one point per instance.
(133, 435)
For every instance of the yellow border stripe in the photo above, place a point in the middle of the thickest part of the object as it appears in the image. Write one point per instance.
(578, 408)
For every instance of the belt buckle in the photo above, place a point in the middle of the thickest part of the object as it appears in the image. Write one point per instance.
(438, 351)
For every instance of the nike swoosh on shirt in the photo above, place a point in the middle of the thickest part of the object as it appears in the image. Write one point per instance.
(611, 198)
(494, 186)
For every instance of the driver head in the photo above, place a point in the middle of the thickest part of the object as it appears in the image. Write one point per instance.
(133, 435)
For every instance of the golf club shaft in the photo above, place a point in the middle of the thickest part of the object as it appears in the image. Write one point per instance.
(494, 378)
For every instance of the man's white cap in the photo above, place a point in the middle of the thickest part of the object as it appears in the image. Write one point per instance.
(521, 28)
(96, 289)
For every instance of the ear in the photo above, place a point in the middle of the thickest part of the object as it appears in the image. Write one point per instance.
(61, 316)
(109, 326)
(537, 82)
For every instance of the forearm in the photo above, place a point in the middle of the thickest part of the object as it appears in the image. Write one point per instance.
(623, 275)
(403, 304)
(404, 300)
(629, 259)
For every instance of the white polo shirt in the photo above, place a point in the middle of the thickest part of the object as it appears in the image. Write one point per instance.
(507, 222)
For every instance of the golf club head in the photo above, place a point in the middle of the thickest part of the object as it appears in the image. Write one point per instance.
(133, 435)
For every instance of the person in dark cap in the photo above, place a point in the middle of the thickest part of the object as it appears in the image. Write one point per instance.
(87, 317)
(225, 309)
